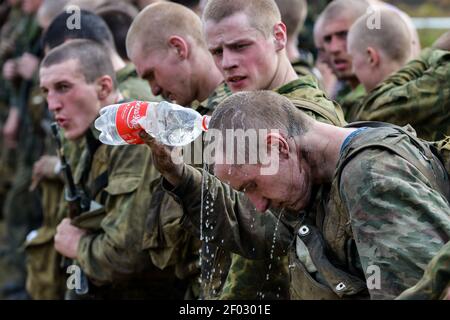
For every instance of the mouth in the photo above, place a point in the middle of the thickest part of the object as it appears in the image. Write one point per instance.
(62, 122)
(340, 64)
(236, 81)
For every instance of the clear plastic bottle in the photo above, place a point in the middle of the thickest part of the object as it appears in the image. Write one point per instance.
(169, 123)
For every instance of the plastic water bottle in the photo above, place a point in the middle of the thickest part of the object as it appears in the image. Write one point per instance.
(168, 123)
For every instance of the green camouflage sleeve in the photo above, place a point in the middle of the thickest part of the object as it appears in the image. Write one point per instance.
(116, 249)
(435, 283)
(229, 220)
(398, 221)
(418, 94)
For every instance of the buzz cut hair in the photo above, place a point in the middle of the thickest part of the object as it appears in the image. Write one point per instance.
(254, 111)
(443, 42)
(262, 14)
(93, 59)
(392, 37)
(293, 15)
(337, 9)
(153, 26)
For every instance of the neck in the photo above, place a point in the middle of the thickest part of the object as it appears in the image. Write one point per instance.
(322, 145)
(285, 73)
(209, 77)
(292, 50)
(117, 61)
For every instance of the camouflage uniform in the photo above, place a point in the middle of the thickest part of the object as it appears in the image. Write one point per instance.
(46, 277)
(418, 94)
(435, 282)
(356, 222)
(350, 100)
(267, 277)
(111, 253)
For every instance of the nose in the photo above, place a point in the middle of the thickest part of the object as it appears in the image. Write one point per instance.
(261, 204)
(54, 104)
(336, 45)
(228, 60)
(156, 89)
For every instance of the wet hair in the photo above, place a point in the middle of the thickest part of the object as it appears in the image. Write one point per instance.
(293, 15)
(392, 38)
(93, 59)
(254, 110)
(92, 27)
(262, 14)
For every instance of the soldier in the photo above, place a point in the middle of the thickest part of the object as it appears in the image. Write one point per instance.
(377, 53)
(49, 282)
(78, 79)
(166, 44)
(94, 28)
(250, 53)
(335, 21)
(353, 191)
(418, 94)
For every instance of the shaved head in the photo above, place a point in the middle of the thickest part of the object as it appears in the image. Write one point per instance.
(158, 22)
(262, 14)
(351, 9)
(393, 38)
(443, 42)
(293, 15)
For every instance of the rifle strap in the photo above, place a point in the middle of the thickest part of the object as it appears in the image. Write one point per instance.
(98, 185)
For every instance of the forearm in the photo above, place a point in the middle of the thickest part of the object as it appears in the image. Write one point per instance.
(229, 219)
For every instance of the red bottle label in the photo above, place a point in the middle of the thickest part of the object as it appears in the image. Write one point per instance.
(128, 115)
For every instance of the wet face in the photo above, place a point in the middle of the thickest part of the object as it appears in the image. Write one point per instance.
(74, 103)
(167, 74)
(247, 60)
(290, 188)
(334, 35)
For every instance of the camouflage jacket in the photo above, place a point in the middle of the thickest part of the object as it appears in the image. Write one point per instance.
(418, 94)
(132, 87)
(357, 226)
(350, 101)
(111, 252)
(266, 278)
(435, 282)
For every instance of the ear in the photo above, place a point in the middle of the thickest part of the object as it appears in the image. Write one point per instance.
(104, 86)
(277, 141)
(373, 57)
(180, 46)
(280, 36)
